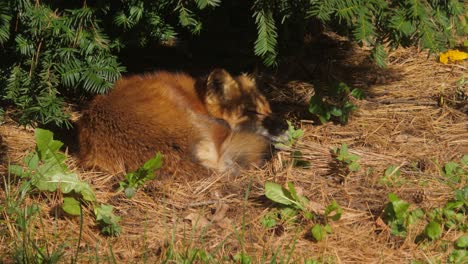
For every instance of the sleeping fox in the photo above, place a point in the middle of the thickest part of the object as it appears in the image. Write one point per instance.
(221, 123)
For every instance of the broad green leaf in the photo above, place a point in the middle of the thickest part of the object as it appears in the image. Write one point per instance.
(462, 242)
(458, 256)
(154, 163)
(433, 230)
(16, 170)
(66, 181)
(398, 206)
(293, 192)
(334, 207)
(277, 193)
(46, 146)
(71, 206)
(130, 192)
(451, 168)
(319, 232)
(32, 161)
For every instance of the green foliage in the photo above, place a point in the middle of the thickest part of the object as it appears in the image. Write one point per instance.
(462, 242)
(46, 171)
(433, 230)
(293, 203)
(450, 217)
(243, 258)
(398, 217)
(454, 172)
(332, 212)
(145, 173)
(431, 25)
(392, 177)
(288, 142)
(351, 160)
(458, 256)
(52, 52)
(333, 102)
(293, 135)
(108, 221)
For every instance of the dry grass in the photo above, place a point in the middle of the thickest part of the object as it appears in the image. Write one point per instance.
(399, 123)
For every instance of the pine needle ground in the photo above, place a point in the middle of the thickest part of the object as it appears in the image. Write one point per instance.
(401, 122)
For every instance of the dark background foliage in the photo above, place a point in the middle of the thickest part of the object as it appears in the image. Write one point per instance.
(58, 51)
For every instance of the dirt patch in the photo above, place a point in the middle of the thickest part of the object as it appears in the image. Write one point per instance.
(402, 122)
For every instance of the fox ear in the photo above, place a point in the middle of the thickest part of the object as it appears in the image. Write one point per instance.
(220, 84)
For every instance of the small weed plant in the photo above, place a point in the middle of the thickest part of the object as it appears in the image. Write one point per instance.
(350, 160)
(293, 135)
(398, 217)
(137, 178)
(455, 172)
(46, 171)
(392, 177)
(294, 205)
(451, 217)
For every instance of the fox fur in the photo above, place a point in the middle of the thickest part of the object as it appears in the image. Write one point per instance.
(198, 125)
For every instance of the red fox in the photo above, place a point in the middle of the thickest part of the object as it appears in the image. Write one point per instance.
(221, 123)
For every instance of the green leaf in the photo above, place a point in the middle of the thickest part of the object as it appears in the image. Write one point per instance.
(268, 221)
(319, 232)
(278, 194)
(451, 168)
(32, 161)
(334, 207)
(462, 242)
(130, 192)
(357, 93)
(335, 111)
(71, 206)
(47, 147)
(108, 220)
(458, 256)
(153, 164)
(16, 170)
(433, 230)
(293, 192)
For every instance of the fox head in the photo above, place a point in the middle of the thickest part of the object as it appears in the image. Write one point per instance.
(237, 101)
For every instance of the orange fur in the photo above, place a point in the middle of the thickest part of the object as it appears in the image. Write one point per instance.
(170, 113)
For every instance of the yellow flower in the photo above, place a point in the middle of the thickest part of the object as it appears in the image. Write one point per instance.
(452, 55)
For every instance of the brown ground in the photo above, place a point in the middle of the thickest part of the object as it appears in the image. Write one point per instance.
(401, 122)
